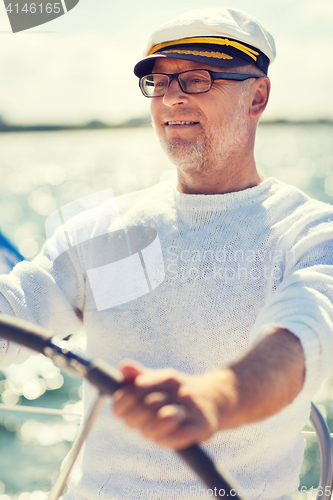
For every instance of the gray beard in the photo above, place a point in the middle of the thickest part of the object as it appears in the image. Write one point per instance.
(208, 152)
(188, 155)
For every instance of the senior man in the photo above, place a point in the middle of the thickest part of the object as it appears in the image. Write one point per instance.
(238, 337)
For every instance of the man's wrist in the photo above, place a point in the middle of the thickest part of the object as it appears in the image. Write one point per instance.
(226, 396)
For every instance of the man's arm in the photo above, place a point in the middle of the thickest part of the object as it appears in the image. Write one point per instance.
(37, 293)
(266, 380)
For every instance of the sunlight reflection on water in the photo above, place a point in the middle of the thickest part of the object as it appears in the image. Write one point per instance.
(42, 171)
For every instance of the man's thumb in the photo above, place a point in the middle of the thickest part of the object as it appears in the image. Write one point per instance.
(131, 369)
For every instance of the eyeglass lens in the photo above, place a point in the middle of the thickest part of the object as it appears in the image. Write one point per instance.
(191, 82)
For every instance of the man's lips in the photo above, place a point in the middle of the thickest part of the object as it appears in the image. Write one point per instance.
(180, 123)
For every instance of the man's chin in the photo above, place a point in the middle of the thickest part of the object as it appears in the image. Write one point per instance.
(186, 155)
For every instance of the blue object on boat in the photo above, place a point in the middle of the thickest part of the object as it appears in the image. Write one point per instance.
(9, 255)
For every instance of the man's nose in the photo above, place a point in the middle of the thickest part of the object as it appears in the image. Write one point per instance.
(174, 93)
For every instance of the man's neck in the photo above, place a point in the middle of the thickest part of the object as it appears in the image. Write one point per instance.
(219, 180)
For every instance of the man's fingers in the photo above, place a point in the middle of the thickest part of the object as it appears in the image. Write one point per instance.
(144, 414)
(130, 403)
(181, 413)
(157, 399)
(151, 380)
(131, 369)
(139, 417)
(164, 422)
(125, 400)
(145, 387)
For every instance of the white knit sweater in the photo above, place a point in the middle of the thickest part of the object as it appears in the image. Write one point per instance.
(234, 264)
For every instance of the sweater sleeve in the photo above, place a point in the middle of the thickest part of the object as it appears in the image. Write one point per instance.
(36, 292)
(51, 290)
(302, 303)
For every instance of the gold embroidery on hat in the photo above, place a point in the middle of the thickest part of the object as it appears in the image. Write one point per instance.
(217, 41)
(219, 55)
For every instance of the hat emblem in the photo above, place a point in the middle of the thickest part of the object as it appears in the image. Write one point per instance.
(201, 53)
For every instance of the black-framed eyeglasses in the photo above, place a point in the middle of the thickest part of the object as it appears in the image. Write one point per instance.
(194, 81)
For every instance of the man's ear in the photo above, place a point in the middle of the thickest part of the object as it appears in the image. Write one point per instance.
(260, 94)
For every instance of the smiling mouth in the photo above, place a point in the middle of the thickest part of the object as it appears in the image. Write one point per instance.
(181, 123)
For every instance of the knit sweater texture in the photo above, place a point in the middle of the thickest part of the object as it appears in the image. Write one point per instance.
(235, 264)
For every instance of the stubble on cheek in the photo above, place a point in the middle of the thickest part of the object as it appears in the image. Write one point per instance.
(216, 143)
(186, 154)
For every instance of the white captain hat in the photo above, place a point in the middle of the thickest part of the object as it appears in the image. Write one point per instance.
(222, 37)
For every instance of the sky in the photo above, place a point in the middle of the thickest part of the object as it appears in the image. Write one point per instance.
(79, 67)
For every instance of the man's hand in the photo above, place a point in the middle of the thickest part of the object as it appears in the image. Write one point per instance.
(177, 410)
(147, 402)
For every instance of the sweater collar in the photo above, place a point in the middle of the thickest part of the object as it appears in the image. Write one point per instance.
(217, 202)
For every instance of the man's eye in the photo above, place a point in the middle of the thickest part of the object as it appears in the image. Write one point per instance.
(198, 79)
(159, 85)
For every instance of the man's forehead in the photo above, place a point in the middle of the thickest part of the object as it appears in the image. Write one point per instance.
(168, 65)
